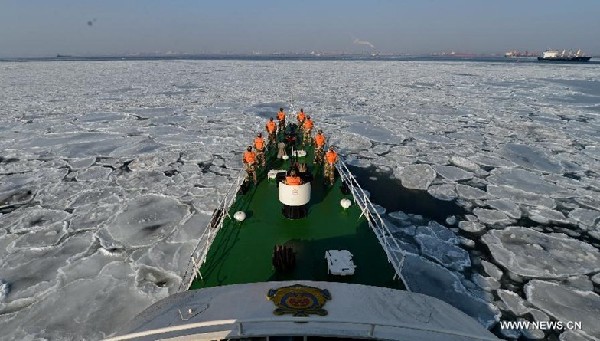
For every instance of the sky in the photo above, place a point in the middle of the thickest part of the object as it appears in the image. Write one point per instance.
(35, 28)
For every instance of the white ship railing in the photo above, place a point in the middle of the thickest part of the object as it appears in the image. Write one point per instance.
(395, 254)
(291, 326)
(215, 224)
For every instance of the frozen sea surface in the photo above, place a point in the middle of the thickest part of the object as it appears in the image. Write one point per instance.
(109, 172)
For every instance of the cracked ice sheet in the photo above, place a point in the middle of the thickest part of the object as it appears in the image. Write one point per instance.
(532, 254)
(566, 304)
(60, 114)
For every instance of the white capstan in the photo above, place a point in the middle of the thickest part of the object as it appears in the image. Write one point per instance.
(240, 216)
(345, 203)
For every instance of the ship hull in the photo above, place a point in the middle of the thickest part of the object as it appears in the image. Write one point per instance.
(564, 59)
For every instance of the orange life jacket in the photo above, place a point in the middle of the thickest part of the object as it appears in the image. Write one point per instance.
(301, 116)
(308, 124)
(259, 143)
(271, 126)
(293, 180)
(249, 157)
(320, 140)
(281, 116)
(331, 157)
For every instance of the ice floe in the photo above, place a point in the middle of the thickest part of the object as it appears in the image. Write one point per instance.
(445, 192)
(453, 173)
(146, 220)
(491, 270)
(513, 303)
(471, 226)
(431, 279)
(417, 176)
(507, 207)
(529, 253)
(491, 217)
(566, 304)
(585, 217)
(524, 180)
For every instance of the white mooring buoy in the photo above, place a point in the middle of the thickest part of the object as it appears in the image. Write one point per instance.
(240, 216)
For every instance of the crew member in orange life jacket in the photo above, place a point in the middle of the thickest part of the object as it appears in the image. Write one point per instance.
(329, 171)
(319, 147)
(281, 119)
(307, 126)
(293, 179)
(301, 117)
(259, 146)
(271, 129)
(249, 161)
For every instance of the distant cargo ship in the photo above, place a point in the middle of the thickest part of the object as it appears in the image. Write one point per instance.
(564, 56)
(519, 54)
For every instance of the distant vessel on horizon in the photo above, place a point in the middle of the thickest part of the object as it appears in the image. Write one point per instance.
(519, 54)
(564, 56)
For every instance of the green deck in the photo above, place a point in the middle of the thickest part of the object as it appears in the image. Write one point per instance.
(241, 252)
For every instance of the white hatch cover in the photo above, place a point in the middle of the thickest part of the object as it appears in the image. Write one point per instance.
(339, 262)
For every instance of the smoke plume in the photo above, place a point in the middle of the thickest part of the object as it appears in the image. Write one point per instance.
(363, 42)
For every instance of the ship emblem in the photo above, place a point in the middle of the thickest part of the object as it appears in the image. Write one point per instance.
(299, 300)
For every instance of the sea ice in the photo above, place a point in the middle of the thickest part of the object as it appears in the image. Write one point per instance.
(572, 335)
(532, 254)
(492, 217)
(486, 283)
(519, 196)
(177, 133)
(444, 192)
(585, 217)
(453, 173)
(539, 315)
(466, 242)
(532, 334)
(566, 304)
(147, 220)
(513, 303)
(523, 180)
(428, 278)
(465, 163)
(491, 270)
(447, 254)
(579, 282)
(417, 176)
(471, 226)
(470, 193)
(529, 157)
(596, 279)
(544, 215)
(4, 290)
(505, 206)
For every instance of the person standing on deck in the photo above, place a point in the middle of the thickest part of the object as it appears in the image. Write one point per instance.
(272, 130)
(319, 147)
(293, 179)
(249, 161)
(308, 125)
(281, 119)
(259, 146)
(301, 117)
(329, 171)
